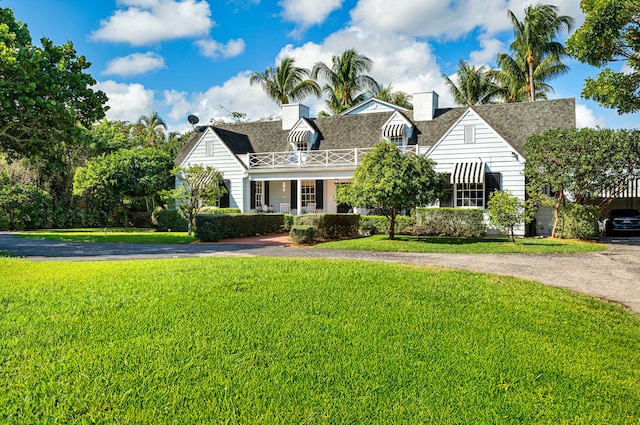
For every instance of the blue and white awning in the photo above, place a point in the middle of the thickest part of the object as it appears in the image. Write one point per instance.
(299, 136)
(393, 130)
(468, 172)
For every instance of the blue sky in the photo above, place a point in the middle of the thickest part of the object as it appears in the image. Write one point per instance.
(181, 57)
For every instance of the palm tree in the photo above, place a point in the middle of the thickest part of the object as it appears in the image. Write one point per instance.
(151, 128)
(286, 83)
(387, 94)
(346, 84)
(535, 43)
(475, 85)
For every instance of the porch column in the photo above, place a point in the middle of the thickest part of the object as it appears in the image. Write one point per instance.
(299, 206)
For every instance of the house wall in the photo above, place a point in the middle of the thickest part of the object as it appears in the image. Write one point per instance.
(224, 161)
(489, 147)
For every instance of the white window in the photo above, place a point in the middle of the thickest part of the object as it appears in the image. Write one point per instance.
(470, 195)
(209, 148)
(259, 195)
(469, 133)
(302, 146)
(398, 141)
(308, 191)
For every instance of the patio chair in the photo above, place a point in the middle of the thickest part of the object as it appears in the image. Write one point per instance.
(311, 208)
(284, 208)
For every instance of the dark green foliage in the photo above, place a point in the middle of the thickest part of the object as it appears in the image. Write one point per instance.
(379, 225)
(454, 222)
(288, 222)
(579, 222)
(167, 220)
(302, 235)
(24, 207)
(216, 210)
(330, 226)
(214, 227)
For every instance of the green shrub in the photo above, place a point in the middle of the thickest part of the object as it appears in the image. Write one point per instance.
(452, 222)
(169, 220)
(214, 227)
(379, 225)
(288, 222)
(216, 210)
(330, 226)
(578, 222)
(302, 235)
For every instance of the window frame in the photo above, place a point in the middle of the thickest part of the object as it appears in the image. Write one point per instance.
(472, 193)
(307, 192)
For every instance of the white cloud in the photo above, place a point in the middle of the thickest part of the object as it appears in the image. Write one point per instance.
(307, 13)
(127, 101)
(150, 21)
(214, 49)
(135, 64)
(490, 47)
(586, 118)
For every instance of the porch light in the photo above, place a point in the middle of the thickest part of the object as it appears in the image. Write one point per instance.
(284, 186)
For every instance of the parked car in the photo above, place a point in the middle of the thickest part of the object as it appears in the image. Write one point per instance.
(623, 220)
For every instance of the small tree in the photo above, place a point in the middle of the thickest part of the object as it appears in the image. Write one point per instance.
(506, 211)
(199, 186)
(390, 181)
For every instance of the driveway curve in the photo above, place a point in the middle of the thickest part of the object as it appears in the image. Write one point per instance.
(612, 275)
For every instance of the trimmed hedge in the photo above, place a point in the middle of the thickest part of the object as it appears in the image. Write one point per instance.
(216, 210)
(380, 225)
(302, 235)
(451, 222)
(330, 226)
(214, 227)
(169, 219)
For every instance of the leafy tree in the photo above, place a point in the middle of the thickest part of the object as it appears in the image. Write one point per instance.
(475, 85)
(391, 181)
(610, 32)
(387, 94)
(126, 176)
(151, 129)
(536, 48)
(286, 82)
(346, 84)
(198, 187)
(581, 164)
(507, 211)
(24, 206)
(44, 92)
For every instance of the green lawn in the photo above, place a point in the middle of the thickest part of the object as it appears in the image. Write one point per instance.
(464, 245)
(112, 234)
(271, 341)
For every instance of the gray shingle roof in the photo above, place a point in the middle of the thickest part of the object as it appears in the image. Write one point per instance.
(514, 122)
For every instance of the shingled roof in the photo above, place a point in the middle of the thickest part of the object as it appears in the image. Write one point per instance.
(514, 122)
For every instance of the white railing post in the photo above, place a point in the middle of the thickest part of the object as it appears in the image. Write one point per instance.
(355, 156)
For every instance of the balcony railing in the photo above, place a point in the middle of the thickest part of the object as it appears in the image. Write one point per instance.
(309, 159)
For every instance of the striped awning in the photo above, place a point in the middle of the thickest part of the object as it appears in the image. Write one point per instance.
(468, 172)
(299, 136)
(393, 130)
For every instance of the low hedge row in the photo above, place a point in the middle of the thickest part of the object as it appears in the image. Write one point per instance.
(453, 222)
(302, 235)
(214, 227)
(379, 225)
(330, 226)
(169, 220)
(216, 210)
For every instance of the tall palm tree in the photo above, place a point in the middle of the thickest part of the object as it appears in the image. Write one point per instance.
(387, 94)
(151, 128)
(535, 42)
(475, 85)
(286, 82)
(346, 84)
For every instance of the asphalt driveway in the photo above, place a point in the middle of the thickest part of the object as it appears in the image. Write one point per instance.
(612, 275)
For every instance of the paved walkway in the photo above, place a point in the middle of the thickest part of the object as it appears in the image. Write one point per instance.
(612, 275)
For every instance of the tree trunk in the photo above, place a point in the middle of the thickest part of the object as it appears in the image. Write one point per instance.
(392, 225)
(557, 213)
(532, 90)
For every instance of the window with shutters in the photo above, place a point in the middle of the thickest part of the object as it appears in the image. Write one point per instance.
(308, 192)
(470, 195)
(259, 194)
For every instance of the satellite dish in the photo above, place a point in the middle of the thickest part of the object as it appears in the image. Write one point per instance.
(193, 120)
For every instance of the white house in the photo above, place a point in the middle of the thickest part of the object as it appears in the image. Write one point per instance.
(295, 164)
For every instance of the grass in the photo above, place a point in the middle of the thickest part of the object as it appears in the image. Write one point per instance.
(464, 245)
(112, 234)
(279, 341)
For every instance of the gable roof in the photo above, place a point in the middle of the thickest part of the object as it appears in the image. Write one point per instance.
(514, 122)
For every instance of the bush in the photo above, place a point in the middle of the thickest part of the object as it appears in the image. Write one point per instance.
(330, 226)
(288, 222)
(451, 222)
(379, 225)
(214, 227)
(216, 210)
(169, 219)
(579, 222)
(302, 235)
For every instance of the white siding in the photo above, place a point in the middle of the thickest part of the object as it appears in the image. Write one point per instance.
(224, 161)
(488, 147)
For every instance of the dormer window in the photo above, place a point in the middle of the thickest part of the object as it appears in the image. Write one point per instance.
(300, 140)
(396, 133)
